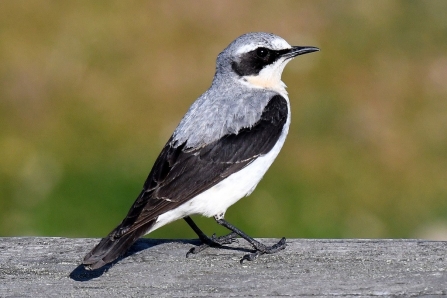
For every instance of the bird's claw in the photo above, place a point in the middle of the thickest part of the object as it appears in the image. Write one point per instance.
(265, 250)
(227, 239)
(213, 241)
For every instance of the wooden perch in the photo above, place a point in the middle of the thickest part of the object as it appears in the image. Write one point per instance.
(49, 267)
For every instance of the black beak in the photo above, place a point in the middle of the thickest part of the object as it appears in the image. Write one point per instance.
(296, 51)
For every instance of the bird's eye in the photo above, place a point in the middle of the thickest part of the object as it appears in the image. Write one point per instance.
(262, 52)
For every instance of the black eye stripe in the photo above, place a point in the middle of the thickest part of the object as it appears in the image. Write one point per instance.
(251, 63)
(262, 53)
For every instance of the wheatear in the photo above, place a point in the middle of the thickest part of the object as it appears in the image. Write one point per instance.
(219, 152)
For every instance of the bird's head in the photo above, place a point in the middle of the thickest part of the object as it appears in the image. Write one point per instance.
(258, 59)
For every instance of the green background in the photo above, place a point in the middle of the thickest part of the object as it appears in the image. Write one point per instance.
(91, 90)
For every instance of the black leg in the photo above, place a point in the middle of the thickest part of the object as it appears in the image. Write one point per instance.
(207, 241)
(258, 246)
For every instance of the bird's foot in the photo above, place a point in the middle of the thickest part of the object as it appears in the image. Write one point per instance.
(212, 241)
(263, 249)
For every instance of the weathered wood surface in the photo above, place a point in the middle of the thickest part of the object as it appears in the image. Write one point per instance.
(48, 267)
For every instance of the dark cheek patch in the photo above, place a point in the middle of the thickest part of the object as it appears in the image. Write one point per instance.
(251, 64)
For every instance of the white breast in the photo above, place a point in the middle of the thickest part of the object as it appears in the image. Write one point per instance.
(218, 198)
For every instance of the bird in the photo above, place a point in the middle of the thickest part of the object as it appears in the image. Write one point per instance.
(218, 153)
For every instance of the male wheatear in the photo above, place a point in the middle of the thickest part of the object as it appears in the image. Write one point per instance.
(219, 152)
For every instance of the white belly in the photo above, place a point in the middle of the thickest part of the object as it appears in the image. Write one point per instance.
(218, 198)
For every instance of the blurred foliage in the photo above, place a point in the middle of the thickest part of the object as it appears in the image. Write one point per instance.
(91, 90)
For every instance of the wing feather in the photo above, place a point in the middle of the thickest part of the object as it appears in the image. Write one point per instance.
(181, 173)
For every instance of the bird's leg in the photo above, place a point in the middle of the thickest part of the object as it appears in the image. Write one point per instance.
(258, 246)
(207, 241)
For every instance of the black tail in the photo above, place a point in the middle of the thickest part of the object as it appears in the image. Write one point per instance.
(110, 248)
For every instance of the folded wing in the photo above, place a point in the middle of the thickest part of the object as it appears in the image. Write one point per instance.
(181, 173)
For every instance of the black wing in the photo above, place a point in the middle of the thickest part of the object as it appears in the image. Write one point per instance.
(180, 173)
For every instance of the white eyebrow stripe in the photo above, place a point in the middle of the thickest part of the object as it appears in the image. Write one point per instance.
(276, 44)
(280, 44)
(247, 48)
